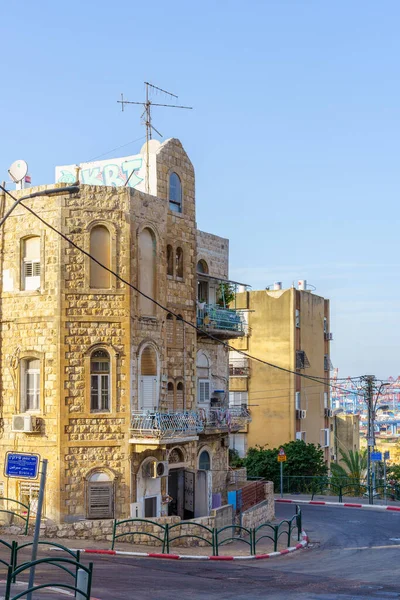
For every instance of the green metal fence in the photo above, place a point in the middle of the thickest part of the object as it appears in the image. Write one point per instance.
(210, 540)
(214, 537)
(12, 548)
(162, 538)
(14, 513)
(65, 564)
(76, 555)
(339, 487)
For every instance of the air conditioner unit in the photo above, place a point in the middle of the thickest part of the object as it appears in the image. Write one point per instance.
(162, 468)
(303, 414)
(25, 423)
(328, 412)
(155, 469)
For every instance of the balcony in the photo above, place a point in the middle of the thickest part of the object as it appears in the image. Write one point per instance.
(239, 368)
(158, 428)
(224, 323)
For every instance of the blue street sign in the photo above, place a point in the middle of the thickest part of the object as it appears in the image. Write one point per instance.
(386, 455)
(22, 465)
(376, 456)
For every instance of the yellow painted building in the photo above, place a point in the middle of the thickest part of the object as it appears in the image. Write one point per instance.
(288, 328)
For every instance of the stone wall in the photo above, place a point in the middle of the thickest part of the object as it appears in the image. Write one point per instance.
(263, 512)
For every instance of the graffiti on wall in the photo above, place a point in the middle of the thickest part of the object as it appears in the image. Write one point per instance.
(116, 172)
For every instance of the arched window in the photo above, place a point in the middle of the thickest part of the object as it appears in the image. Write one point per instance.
(170, 261)
(170, 330)
(170, 396)
(148, 392)
(30, 267)
(175, 193)
(100, 250)
(147, 271)
(203, 379)
(30, 384)
(100, 496)
(179, 263)
(202, 267)
(100, 381)
(179, 396)
(204, 461)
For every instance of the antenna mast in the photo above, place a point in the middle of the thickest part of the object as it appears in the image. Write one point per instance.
(146, 117)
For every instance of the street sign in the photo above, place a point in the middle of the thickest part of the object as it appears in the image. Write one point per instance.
(21, 465)
(386, 455)
(376, 456)
(281, 455)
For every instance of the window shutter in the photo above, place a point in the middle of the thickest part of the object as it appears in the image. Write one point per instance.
(100, 500)
(148, 389)
(204, 391)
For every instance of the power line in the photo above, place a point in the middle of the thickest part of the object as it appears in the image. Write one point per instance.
(164, 308)
(117, 148)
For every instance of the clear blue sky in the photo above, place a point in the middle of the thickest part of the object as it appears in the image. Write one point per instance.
(295, 136)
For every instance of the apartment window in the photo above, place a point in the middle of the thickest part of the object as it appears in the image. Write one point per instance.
(302, 361)
(147, 271)
(325, 437)
(238, 399)
(100, 249)
(325, 325)
(175, 193)
(29, 495)
(30, 384)
(326, 363)
(170, 261)
(326, 400)
(203, 391)
(100, 381)
(31, 263)
(179, 263)
(298, 400)
(297, 317)
(148, 391)
(301, 435)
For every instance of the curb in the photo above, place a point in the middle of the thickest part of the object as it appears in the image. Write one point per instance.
(342, 504)
(298, 546)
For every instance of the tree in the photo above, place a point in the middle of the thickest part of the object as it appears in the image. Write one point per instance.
(354, 465)
(303, 460)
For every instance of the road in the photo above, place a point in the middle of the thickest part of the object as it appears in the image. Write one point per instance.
(354, 554)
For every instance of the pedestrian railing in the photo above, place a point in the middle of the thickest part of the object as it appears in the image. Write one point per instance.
(189, 527)
(212, 536)
(76, 555)
(162, 537)
(67, 565)
(23, 513)
(12, 549)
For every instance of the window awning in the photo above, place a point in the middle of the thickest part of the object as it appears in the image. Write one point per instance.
(221, 279)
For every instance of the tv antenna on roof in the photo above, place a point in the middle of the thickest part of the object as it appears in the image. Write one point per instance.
(146, 116)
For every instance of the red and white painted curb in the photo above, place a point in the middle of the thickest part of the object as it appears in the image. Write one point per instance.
(343, 504)
(302, 544)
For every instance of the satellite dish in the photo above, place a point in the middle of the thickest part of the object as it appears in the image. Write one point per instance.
(18, 170)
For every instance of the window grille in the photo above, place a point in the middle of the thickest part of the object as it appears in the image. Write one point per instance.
(29, 494)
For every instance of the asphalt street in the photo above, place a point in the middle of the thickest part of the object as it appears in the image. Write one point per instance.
(353, 554)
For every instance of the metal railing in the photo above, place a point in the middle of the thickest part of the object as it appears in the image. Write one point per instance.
(214, 317)
(23, 513)
(210, 536)
(161, 425)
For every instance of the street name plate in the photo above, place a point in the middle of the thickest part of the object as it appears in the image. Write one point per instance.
(376, 456)
(21, 465)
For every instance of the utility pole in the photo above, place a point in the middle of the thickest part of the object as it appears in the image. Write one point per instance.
(369, 379)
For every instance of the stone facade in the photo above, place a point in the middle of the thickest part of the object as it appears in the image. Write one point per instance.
(65, 321)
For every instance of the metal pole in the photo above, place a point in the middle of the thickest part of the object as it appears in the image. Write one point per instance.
(82, 585)
(369, 400)
(384, 477)
(37, 525)
(282, 479)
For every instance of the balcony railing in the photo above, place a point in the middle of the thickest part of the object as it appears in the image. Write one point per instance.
(159, 425)
(215, 318)
(239, 370)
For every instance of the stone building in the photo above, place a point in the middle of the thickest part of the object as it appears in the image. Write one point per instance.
(127, 401)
